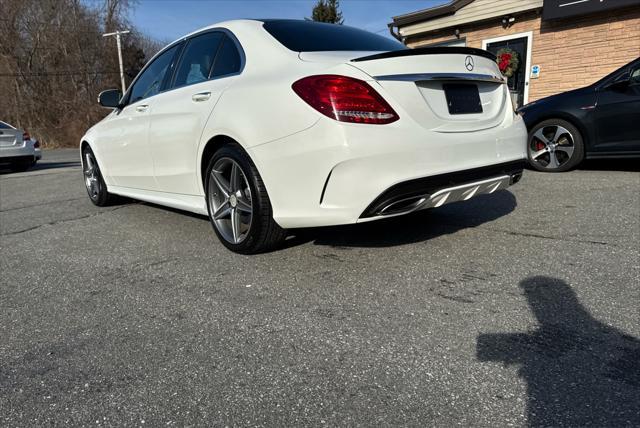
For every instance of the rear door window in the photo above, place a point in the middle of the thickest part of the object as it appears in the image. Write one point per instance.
(634, 76)
(228, 61)
(150, 82)
(197, 59)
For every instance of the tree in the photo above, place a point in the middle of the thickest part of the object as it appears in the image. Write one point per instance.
(54, 62)
(327, 11)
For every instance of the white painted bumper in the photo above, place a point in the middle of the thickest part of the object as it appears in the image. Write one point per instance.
(330, 173)
(17, 151)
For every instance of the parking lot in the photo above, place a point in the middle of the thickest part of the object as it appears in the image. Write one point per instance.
(517, 308)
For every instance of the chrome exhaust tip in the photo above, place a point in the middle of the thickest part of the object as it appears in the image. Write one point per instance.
(444, 196)
(403, 206)
(515, 178)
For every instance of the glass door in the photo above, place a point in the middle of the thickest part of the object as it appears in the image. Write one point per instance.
(518, 80)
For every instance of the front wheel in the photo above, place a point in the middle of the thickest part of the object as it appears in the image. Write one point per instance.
(555, 145)
(93, 181)
(238, 204)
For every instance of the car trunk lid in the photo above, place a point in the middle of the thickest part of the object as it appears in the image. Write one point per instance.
(10, 137)
(444, 89)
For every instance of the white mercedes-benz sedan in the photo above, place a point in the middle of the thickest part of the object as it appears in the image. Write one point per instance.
(266, 125)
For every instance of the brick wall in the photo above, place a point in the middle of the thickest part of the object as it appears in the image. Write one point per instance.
(571, 53)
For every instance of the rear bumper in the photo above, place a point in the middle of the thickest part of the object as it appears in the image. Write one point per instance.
(435, 191)
(335, 173)
(17, 159)
(14, 160)
(18, 152)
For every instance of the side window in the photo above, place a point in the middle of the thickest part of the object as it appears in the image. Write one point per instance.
(150, 81)
(634, 78)
(228, 59)
(197, 58)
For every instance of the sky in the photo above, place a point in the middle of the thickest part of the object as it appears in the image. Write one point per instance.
(168, 20)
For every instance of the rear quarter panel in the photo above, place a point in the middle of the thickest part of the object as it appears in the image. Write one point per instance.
(261, 107)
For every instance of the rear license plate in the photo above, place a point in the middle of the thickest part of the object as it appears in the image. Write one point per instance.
(462, 98)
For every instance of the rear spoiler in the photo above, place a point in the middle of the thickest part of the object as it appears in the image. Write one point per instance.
(435, 50)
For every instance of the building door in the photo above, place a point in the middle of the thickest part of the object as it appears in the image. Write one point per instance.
(519, 82)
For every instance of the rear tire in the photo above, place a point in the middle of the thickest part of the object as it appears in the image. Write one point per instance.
(93, 180)
(555, 145)
(238, 203)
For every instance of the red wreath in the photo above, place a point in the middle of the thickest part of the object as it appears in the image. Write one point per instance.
(505, 59)
(508, 62)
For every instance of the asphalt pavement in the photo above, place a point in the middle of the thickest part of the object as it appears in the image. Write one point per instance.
(517, 308)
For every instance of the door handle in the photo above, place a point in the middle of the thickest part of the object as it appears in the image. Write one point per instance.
(142, 108)
(202, 96)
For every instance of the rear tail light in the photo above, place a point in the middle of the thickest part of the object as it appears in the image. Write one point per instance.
(345, 99)
(36, 145)
(26, 136)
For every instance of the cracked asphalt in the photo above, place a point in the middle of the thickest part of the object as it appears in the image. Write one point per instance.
(519, 308)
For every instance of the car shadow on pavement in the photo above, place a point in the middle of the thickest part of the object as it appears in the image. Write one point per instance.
(42, 166)
(631, 165)
(579, 371)
(411, 228)
(416, 227)
(54, 165)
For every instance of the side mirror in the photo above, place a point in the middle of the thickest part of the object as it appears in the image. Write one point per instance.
(110, 98)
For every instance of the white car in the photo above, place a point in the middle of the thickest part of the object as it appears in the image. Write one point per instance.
(277, 124)
(37, 150)
(17, 149)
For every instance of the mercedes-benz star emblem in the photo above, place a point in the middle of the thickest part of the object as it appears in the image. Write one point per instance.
(468, 62)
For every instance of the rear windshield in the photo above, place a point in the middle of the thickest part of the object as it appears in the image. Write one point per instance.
(5, 126)
(308, 36)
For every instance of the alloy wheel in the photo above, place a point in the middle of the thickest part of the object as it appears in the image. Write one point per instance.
(91, 175)
(230, 203)
(551, 147)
